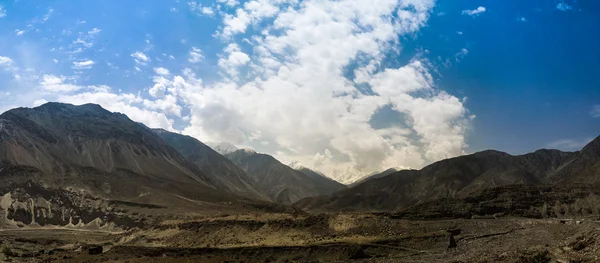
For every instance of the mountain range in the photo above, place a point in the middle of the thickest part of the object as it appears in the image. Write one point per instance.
(464, 177)
(69, 165)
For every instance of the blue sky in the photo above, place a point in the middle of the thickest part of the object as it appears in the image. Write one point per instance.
(345, 87)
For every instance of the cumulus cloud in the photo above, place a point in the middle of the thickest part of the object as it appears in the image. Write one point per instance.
(289, 89)
(2, 11)
(86, 64)
(233, 59)
(474, 12)
(5, 61)
(140, 58)
(195, 55)
(595, 112)
(252, 12)
(161, 71)
(303, 82)
(53, 83)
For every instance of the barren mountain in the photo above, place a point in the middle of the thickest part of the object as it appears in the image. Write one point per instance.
(61, 163)
(214, 164)
(464, 176)
(282, 183)
(374, 175)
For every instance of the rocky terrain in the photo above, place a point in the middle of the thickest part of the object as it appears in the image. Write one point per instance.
(65, 165)
(316, 238)
(213, 163)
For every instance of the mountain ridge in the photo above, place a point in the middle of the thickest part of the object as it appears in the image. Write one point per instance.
(463, 176)
(282, 183)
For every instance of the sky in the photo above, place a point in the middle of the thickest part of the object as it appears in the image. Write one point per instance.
(346, 87)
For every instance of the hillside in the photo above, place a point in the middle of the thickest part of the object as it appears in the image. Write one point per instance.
(282, 183)
(462, 177)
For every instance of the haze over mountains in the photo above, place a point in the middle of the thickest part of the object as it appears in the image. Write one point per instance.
(56, 155)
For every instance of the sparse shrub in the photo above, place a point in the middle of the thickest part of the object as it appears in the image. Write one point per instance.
(8, 253)
(540, 257)
(544, 210)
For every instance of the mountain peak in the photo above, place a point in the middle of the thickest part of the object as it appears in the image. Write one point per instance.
(296, 165)
(222, 147)
(248, 150)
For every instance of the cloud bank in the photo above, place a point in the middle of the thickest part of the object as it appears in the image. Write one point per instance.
(301, 80)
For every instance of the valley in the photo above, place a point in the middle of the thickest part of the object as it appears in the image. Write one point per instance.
(317, 238)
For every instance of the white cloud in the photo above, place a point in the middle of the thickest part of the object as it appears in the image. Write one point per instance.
(161, 71)
(595, 112)
(234, 58)
(95, 31)
(286, 89)
(204, 10)
(140, 58)
(56, 84)
(47, 15)
(230, 3)
(474, 12)
(5, 61)
(290, 89)
(86, 64)
(195, 55)
(2, 11)
(562, 6)
(84, 41)
(80, 41)
(207, 11)
(19, 32)
(461, 54)
(521, 19)
(252, 12)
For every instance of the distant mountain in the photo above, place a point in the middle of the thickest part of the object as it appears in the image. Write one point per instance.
(464, 176)
(317, 176)
(222, 147)
(374, 176)
(213, 164)
(64, 164)
(282, 183)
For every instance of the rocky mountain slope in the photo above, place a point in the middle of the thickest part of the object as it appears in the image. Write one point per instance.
(374, 176)
(60, 161)
(282, 183)
(463, 177)
(222, 147)
(212, 163)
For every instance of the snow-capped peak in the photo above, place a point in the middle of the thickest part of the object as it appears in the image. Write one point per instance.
(222, 147)
(249, 150)
(296, 165)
